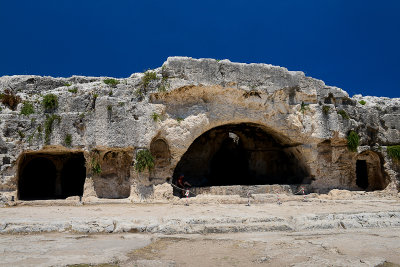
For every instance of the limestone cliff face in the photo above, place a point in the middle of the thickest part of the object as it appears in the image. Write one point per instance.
(189, 98)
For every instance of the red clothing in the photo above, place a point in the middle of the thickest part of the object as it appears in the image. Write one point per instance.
(180, 181)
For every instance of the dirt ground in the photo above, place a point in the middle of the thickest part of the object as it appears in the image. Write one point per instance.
(338, 246)
(371, 247)
(147, 211)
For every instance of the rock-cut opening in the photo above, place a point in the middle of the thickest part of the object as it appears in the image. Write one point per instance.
(51, 176)
(240, 154)
(369, 172)
(362, 174)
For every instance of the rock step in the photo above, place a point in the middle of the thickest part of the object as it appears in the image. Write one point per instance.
(208, 225)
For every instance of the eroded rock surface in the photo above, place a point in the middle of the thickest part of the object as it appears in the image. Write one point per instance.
(283, 116)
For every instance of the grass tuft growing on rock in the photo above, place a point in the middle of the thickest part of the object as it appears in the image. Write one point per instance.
(148, 77)
(50, 102)
(344, 114)
(155, 116)
(144, 160)
(163, 87)
(362, 102)
(96, 168)
(111, 82)
(353, 141)
(394, 152)
(304, 107)
(325, 109)
(73, 90)
(68, 140)
(139, 93)
(27, 108)
(21, 134)
(48, 126)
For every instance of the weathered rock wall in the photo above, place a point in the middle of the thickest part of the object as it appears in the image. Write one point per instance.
(188, 98)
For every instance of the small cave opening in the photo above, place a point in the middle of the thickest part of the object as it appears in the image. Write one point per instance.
(241, 154)
(55, 175)
(160, 151)
(369, 172)
(362, 174)
(113, 181)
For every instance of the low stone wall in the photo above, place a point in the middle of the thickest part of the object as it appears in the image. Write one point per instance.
(244, 190)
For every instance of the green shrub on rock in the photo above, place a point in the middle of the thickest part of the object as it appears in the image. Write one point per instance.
(144, 160)
(96, 168)
(48, 126)
(50, 102)
(353, 141)
(68, 140)
(111, 82)
(394, 152)
(155, 116)
(27, 108)
(73, 90)
(344, 114)
(325, 109)
(148, 77)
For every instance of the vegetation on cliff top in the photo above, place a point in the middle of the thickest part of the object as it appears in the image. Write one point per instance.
(148, 77)
(111, 82)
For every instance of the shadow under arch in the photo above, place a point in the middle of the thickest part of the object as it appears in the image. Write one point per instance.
(73, 175)
(241, 154)
(37, 180)
(50, 174)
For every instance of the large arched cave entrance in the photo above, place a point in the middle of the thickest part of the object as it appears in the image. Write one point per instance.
(51, 175)
(241, 154)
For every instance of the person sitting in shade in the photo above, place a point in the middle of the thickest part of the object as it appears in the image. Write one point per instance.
(181, 183)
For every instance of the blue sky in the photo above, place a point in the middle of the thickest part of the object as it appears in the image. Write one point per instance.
(352, 44)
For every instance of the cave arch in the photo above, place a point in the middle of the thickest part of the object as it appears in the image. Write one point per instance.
(51, 175)
(241, 154)
(159, 149)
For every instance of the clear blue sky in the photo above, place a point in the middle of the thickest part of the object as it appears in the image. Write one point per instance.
(352, 44)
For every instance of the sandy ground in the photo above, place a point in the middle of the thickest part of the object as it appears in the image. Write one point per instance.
(377, 247)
